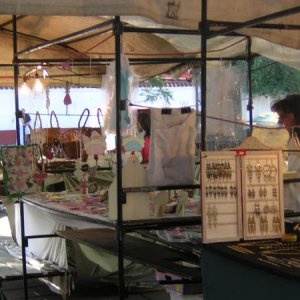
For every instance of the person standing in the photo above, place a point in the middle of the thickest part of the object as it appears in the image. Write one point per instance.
(145, 127)
(288, 110)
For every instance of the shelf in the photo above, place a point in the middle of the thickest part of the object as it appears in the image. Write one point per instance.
(139, 250)
(11, 268)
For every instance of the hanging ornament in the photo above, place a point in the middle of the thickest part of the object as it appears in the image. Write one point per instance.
(67, 99)
(66, 66)
(95, 144)
(47, 98)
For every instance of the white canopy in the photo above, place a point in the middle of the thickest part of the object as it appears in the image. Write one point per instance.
(50, 20)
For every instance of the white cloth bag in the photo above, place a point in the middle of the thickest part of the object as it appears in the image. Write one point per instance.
(172, 147)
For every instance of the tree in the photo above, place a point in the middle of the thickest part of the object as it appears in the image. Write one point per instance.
(270, 78)
(157, 91)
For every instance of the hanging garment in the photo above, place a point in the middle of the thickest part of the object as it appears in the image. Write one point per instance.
(172, 147)
(125, 94)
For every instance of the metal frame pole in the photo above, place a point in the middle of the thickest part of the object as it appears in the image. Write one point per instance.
(23, 247)
(249, 69)
(204, 31)
(16, 80)
(119, 230)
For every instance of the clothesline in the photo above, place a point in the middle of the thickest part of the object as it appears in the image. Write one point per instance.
(198, 115)
(69, 115)
(217, 118)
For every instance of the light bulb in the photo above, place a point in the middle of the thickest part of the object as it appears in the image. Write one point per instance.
(38, 86)
(24, 90)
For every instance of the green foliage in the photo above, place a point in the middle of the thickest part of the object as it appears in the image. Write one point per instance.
(270, 78)
(157, 91)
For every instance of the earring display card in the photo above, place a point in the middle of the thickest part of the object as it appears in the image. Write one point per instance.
(263, 209)
(220, 193)
(241, 195)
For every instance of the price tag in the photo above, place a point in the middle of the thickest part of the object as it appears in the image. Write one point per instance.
(240, 152)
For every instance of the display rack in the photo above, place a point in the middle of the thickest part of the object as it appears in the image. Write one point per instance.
(242, 195)
(263, 202)
(220, 189)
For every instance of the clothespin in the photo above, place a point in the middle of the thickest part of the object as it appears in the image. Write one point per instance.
(166, 111)
(185, 110)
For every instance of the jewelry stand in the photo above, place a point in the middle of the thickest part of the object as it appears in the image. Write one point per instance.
(242, 195)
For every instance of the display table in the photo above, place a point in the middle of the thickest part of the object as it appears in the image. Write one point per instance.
(260, 270)
(46, 215)
(72, 210)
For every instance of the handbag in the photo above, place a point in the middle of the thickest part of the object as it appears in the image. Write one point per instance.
(61, 142)
(92, 139)
(38, 134)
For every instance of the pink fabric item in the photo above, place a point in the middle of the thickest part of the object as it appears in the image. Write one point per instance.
(145, 150)
(67, 100)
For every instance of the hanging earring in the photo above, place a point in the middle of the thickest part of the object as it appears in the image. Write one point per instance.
(258, 171)
(249, 172)
(215, 216)
(256, 209)
(209, 216)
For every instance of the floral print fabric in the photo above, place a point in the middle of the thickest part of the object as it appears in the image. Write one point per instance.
(20, 170)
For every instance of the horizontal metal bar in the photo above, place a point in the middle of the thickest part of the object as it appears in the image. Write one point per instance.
(254, 22)
(262, 26)
(169, 31)
(40, 236)
(176, 281)
(65, 38)
(41, 274)
(144, 60)
(62, 60)
(3, 25)
(161, 30)
(157, 223)
(291, 180)
(160, 188)
(291, 214)
(183, 59)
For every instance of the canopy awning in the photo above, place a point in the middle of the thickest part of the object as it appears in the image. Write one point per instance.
(79, 46)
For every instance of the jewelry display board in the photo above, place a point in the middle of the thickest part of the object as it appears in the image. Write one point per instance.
(242, 195)
(221, 211)
(262, 195)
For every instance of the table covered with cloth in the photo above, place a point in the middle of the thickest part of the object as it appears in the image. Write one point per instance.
(46, 213)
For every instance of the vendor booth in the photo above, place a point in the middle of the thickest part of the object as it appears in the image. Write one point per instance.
(109, 196)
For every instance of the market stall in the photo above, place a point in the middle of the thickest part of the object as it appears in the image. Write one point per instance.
(216, 23)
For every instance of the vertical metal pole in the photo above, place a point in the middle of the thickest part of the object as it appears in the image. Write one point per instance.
(23, 246)
(16, 82)
(250, 100)
(120, 232)
(196, 82)
(204, 31)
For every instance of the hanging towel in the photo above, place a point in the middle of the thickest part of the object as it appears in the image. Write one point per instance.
(172, 147)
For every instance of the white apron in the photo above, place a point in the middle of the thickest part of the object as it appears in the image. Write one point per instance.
(172, 148)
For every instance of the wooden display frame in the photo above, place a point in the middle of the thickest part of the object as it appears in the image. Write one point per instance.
(221, 210)
(263, 205)
(241, 195)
